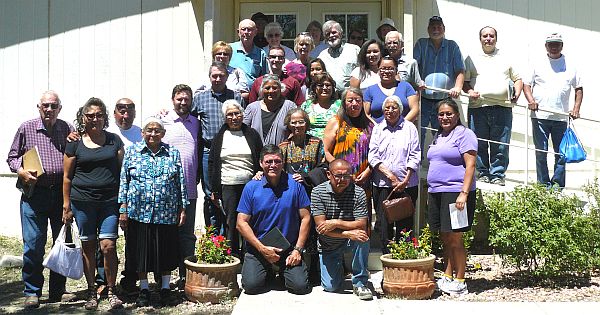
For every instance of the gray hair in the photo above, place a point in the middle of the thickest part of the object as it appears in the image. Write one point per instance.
(273, 26)
(332, 24)
(50, 92)
(228, 104)
(394, 100)
(270, 77)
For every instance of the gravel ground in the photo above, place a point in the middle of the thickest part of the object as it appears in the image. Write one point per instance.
(494, 282)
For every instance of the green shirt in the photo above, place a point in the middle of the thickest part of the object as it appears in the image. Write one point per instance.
(319, 118)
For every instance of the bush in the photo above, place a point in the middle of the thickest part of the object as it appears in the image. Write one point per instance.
(543, 230)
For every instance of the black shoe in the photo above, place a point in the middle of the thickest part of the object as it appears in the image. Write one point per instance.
(128, 288)
(167, 298)
(143, 299)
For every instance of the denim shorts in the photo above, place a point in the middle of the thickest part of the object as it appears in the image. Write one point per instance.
(96, 219)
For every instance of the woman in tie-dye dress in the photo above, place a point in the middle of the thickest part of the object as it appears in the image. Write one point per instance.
(347, 137)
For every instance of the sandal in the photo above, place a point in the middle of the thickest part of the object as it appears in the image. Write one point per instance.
(113, 299)
(92, 301)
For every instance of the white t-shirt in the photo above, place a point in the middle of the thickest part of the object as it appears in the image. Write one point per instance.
(340, 67)
(129, 136)
(551, 81)
(236, 159)
(372, 78)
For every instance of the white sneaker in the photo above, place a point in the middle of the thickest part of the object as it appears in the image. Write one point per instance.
(363, 293)
(442, 284)
(456, 288)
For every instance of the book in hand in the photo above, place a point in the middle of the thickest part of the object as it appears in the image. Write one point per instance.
(31, 162)
(275, 238)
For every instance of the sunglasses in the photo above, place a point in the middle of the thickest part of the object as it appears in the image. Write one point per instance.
(94, 115)
(125, 107)
(273, 162)
(51, 105)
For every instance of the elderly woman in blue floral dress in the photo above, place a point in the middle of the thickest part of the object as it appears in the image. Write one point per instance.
(153, 197)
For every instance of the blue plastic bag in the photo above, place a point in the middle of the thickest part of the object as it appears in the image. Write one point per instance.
(571, 148)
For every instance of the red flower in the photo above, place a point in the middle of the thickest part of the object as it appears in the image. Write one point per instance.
(415, 242)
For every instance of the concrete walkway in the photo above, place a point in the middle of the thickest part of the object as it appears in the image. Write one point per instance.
(278, 302)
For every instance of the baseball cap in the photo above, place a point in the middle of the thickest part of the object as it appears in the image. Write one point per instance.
(554, 38)
(436, 19)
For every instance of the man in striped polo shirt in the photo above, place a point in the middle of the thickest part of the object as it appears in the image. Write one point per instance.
(339, 208)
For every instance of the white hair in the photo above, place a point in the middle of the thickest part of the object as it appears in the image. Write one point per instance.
(229, 104)
(332, 24)
(152, 119)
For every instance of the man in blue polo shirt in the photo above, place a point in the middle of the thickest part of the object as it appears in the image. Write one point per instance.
(246, 55)
(276, 200)
(441, 66)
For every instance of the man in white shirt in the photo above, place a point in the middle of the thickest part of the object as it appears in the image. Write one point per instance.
(493, 86)
(549, 88)
(124, 115)
(340, 59)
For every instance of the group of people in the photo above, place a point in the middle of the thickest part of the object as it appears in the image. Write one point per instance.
(307, 143)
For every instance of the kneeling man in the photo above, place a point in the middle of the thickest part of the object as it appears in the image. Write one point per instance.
(276, 200)
(339, 209)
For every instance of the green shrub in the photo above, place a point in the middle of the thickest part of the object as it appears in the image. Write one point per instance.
(543, 230)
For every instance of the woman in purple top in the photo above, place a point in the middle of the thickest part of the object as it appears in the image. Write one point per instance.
(388, 86)
(394, 155)
(451, 180)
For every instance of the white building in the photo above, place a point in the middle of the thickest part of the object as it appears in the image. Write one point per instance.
(141, 48)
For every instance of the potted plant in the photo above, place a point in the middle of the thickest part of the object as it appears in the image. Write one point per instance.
(408, 268)
(211, 275)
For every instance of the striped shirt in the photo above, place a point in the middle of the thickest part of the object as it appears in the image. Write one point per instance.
(350, 205)
(50, 147)
(182, 134)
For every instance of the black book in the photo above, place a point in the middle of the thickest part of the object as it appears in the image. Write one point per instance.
(275, 238)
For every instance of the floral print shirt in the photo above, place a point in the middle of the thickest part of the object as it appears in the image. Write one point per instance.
(152, 184)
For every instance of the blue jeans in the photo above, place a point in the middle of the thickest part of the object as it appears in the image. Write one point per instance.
(543, 129)
(44, 205)
(96, 219)
(428, 115)
(493, 123)
(332, 270)
(212, 215)
(187, 238)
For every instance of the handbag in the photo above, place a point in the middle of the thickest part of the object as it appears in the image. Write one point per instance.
(398, 208)
(570, 147)
(65, 258)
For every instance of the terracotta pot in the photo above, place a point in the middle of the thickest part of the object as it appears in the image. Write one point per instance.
(410, 278)
(211, 282)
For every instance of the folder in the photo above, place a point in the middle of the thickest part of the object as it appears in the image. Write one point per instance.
(31, 162)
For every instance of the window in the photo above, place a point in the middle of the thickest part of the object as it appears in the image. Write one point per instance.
(350, 22)
(288, 25)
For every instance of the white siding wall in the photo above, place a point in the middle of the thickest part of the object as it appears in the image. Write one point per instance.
(107, 49)
(522, 27)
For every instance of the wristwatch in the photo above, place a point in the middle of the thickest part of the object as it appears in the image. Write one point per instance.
(300, 250)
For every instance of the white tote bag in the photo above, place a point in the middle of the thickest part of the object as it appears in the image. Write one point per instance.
(65, 258)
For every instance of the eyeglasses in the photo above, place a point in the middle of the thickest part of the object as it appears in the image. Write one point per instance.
(447, 114)
(51, 105)
(298, 123)
(324, 85)
(342, 176)
(387, 70)
(125, 107)
(233, 114)
(392, 43)
(276, 57)
(94, 115)
(273, 162)
(392, 108)
(352, 37)
(155, 131)
(273, 35)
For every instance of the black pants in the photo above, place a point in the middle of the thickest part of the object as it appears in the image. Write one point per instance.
(387, 228)
(230, 196)
(256, 271)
